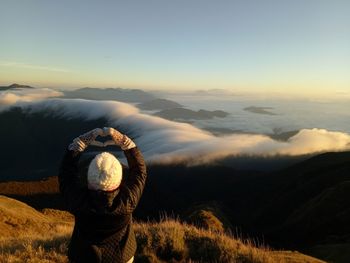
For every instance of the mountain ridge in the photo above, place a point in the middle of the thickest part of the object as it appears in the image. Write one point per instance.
(15, 86)
(118, 94)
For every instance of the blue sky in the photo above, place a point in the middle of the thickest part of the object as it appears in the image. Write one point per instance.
(252, 46)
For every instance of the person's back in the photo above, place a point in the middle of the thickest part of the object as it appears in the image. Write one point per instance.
(103, 210)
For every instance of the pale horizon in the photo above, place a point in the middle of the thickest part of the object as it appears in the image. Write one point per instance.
(275, 47)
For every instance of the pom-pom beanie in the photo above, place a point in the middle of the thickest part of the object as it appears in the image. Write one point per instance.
(104, 172)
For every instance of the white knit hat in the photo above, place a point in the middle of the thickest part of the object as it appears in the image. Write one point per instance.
(104, 173)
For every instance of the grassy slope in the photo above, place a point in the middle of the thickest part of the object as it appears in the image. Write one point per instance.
(28, 235)
(304, 207)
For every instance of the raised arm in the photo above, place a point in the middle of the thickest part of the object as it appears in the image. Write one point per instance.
(132, 188)
(74, 195)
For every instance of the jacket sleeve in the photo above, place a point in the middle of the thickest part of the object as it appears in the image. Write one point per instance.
(131, 190)
(74, 195)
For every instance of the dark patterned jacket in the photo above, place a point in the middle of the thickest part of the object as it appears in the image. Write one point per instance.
(103, 220)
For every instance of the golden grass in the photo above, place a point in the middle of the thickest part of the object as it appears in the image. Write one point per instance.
(172, 241)
(165, 241)
(35, 247)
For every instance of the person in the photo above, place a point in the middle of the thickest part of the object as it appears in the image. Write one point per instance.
(102, 208)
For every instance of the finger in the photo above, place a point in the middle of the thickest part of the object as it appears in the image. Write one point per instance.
(107, 131)
(97, 143)
(103, 132)
(97, 132)
(78, 145)
(108, 143)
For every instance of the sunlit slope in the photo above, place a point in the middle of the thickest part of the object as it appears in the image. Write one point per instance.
(28, 234)
(18, 219)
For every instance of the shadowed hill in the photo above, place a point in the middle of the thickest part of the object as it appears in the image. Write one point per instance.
(297, 192)
(329, 210)
(33, 144)
(39, 194)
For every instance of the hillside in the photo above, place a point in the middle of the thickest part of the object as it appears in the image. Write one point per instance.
(43, 236)
(303, 207)
(310, 194)
(39, 194)
(24, 153)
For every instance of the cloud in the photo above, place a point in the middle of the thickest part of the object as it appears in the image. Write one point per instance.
(11, 97)
(291, 115)
(31, 66)
(164, 141)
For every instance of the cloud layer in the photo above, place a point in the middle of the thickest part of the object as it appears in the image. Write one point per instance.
(164, 141)
(11, 97)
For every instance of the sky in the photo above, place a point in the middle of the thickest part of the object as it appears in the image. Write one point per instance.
(245, 46)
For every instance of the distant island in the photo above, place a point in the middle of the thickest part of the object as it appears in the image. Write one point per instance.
(118, 94)
(277, 135)
(260, 110)
(283, 136)
(159, 104)
(15, 86)
(186, 114)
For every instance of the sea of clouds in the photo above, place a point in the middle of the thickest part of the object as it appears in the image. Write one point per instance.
(290, 114)
(164, 141)
(11, 97)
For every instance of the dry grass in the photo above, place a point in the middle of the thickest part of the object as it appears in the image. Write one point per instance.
(172, 241)
(36, 248)
(30, 236)
(167, 241)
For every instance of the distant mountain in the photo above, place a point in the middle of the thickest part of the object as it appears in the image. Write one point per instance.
(119, 94)
(159, 104)
(15, 86)
(186, 114)
(259, 110)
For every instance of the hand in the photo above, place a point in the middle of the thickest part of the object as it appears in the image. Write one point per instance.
(118, 139)
(80, 143)
(90, 136)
